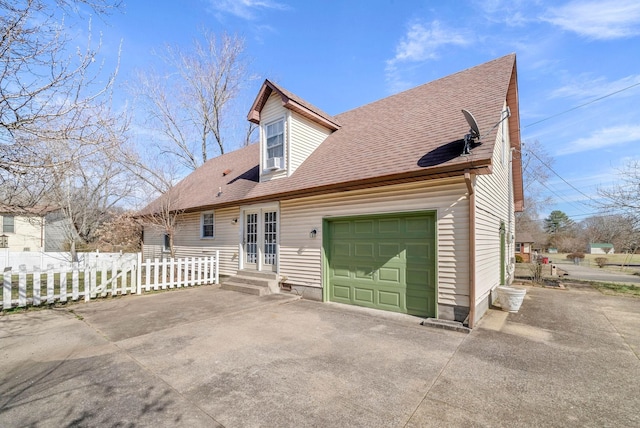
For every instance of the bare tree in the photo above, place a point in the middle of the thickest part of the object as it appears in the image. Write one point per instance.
(535, 174)
(46, 92)
(624, 197)
(189, 106)
(164, 215)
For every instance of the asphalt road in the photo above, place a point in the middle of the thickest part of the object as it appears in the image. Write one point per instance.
(588, 273)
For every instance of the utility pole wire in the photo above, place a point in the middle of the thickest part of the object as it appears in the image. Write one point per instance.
(582, 105)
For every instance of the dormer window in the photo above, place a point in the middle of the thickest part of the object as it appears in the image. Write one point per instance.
(275, 143)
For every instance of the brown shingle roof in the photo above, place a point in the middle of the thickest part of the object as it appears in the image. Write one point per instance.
(416, 134)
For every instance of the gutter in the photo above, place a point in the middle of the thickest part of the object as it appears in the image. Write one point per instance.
(468, 178)
(344, 187)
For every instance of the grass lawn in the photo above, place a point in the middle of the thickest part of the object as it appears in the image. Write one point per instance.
(617, 289)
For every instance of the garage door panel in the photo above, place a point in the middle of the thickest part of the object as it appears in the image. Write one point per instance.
(389, 250)
(363, 295)
(363, 272)
(342, 271)
(389, 274)
(364, 249)
(419, 252)
(387, 226)
(342, 292)
(340, 229)
(341, 249)
(389, 299)
(384, 262)
(417, 276)
(363, 228)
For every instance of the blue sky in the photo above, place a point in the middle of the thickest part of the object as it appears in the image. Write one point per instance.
(340, 55)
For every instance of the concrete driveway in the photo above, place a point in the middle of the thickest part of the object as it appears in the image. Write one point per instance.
(208, 357)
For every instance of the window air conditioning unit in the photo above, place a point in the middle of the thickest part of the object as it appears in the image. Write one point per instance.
(274, 163)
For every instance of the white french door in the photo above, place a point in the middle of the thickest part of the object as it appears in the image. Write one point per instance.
(260, 239)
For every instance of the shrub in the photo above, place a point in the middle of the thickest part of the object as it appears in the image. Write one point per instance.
(601, 261)
(575, 255)
(519, 258)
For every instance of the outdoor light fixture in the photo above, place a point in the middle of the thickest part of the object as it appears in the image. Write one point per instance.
(234, 221)
(313, 233)
(4, 241)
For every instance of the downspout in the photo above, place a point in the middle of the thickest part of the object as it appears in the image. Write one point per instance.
(472, 248)
(510, 232)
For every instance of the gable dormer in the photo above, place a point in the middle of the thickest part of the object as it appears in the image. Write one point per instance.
(290, 130)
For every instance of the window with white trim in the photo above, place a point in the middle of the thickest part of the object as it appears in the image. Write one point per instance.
(8, 224)
(274, 133)
(207, 223)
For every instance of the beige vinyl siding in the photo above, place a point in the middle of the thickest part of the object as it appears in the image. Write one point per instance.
(188, 242)
(272, 111)
(300, 255)
(306, 136)
(28, 234)
(493, 203)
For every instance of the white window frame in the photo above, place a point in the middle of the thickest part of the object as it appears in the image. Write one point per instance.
(4, 224)
(202, 225)
(266, 138)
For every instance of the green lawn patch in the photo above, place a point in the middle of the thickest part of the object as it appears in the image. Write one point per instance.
(617, 289)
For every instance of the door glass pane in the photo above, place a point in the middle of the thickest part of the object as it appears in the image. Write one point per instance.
(270, 237)
(251, 238)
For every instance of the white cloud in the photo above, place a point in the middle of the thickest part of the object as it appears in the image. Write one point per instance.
(603, 138)
(245, 9)
(599, 19)
(585, 86)
(421, 43)
(512, 13)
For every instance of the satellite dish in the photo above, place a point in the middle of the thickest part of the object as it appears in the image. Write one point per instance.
(474, 131)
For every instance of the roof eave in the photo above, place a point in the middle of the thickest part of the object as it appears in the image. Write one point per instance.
(476, 167)
(265, 92)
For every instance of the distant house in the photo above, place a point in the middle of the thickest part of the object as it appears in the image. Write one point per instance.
(394, 205)
(524, 246)
(600, 248)
(22, 228)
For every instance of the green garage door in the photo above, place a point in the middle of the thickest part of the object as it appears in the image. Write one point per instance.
(384, 262)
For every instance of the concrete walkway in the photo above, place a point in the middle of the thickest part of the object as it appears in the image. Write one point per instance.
(207, 357)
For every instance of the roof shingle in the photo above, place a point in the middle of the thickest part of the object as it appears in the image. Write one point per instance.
(414, 134)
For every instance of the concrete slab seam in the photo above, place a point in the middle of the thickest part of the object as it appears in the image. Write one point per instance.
(424, 397)
(624, 339)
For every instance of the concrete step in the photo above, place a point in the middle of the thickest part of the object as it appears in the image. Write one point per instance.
(234, 285)
(263, 282)
(272, 276)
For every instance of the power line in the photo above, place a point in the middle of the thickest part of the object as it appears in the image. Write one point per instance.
(582, 105)
(560, 177)
(560, 196)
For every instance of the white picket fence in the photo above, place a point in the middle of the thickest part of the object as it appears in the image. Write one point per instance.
(14, 259)
(73, 282)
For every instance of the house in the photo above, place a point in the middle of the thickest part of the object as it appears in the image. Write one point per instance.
(383, 206)
(600, 248)
(22, 228)
(524, 246)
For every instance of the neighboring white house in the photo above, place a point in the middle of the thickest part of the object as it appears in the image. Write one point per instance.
(600, 248)
(380, 206)
(22, 229)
